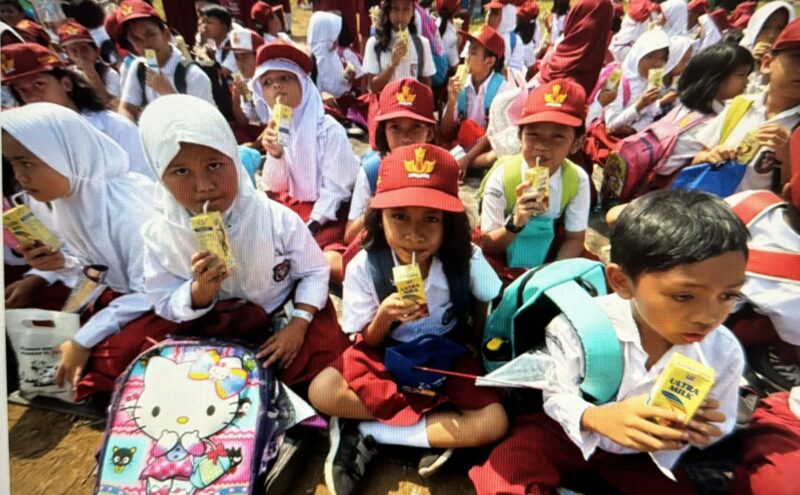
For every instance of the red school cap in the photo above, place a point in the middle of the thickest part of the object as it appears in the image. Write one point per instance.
(245, 40)
(789, 38)
(489, 39)
(494, 4)
(639, 10)
(418, 175)
(406, 98)
(741, 14)
(32, 32)
(529, 11)
(23, 59)
(261, 11)
(561, 101)
(282, 49)
(450, 5)
(720, 18)
(70, 32)
(698, 7)
(130, 10)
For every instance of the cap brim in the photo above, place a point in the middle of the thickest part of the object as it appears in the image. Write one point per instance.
(550, 116)
(471, 37)
(77, 40)
(277, 50)
(45, 68)
(424, 197)
(404, 113)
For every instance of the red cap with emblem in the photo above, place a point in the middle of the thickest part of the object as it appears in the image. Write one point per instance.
(70, 32)
(261, 11)
(561, 101)
(23, 59)
(282, 49)
(450, 5)
(406, 98)
(789, 38)
(418, 175)
(130, 10)
(245, 40)
(489, 39)
(698, 7)
(33, 33)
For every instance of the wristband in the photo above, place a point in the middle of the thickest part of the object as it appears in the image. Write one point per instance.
(509, 226)
(314, 226)
(302, 314)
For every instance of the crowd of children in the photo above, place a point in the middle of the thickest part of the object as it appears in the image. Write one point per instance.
(117, 135)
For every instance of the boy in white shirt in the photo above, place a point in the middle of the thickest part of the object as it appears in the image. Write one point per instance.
(677, 265)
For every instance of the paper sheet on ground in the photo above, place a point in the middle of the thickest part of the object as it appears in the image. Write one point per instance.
(533, 369)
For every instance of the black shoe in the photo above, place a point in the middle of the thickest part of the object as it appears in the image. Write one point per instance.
(777, 374)
(348, 456)
(432, 460)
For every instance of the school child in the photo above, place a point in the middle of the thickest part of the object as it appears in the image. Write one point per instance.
(337, 66)
(558, 18)
(244, 44)
(33, 33)
(518, 229)
(499, 19)
(466, 115)
(769, 116)
(696, 8)
(712, 25)
(676, 15)
(8, 36)
(634, 24)
(405, 118)
(637, 103)
(269, 21)
(447, 29)
(680, 52)
(387, 57)
(96, 207)
(278, 266)
(83, 52)
(314, 171)
(677, 265)
(12, 12)
(141, 26)
(36, 74)
(415, 216)
(765, 26)
(713, 77)
(216, 23)
(529, 32)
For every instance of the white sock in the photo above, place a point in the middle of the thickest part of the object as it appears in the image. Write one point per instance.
(411, 436)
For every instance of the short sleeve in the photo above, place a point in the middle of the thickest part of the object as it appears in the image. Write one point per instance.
(484, 283)
(576, 215)
(371, 64)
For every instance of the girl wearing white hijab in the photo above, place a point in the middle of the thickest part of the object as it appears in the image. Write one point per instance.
(761, 32)
(629, 32)
(680, 52)
(676, 14)
(337, 67)
(314, 172)
(97, 208)
(276, 259)
(641, 106)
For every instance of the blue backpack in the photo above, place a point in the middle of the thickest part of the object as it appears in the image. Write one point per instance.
(532, 301)
(371, 161)
(442, 66)
(495, 81)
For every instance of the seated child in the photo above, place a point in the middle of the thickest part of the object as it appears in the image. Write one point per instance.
(96, 208)
(416, 216)
(83, 52)
(769, 118)
(466, 115)
(761, 32)
(215, 25)
(270, 21)
(712, 25)
(634, 25)
(314, 170)
(446, 10)
(337, 66)
(276, 259)
(245, 44)
(677, 265)
(502, 17)
(517, 228)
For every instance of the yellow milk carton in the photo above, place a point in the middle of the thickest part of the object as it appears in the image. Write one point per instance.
(612, 83)
(151, 59)
(282, 117)
(539, 180)
(655, 78)
(748, 148)
(462, 71)
(409, 283)
(682, 386)
(212, 236)
(21, 222)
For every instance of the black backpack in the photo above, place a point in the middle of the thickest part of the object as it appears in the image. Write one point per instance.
(219, 84)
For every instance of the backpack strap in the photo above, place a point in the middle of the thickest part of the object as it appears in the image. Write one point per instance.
(512, 176)
(755, 205)
(570, 183)
(420, 55)
(512, 39)
(495, 82)
(372, 164)
(141, 76)
(736, 112)
(180, 75)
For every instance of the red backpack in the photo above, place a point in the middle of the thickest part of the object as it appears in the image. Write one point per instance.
(599, 143)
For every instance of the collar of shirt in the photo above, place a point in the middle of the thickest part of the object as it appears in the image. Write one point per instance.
(760, 105)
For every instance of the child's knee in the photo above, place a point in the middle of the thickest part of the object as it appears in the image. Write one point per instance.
(324, 389)
(493, 423)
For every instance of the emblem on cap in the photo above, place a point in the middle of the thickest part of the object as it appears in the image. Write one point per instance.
(126, 9)
(7, 63)
(406, 97)
(419, 167)
(71, 30)
(235, 40)
(48, 59)
(555, 98)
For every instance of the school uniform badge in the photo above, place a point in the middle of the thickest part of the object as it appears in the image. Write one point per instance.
(281, 270)
(7, 64)
(406, 97)
(419, 167)
(556, 98)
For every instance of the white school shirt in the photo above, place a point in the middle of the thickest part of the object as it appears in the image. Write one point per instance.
(617, 114)
(126, 134)
(450, 43)
(299, 266)
(335, 179)
(112, 81)
(360, 299)
(515, 60)
(755, 117)
(225, 56)
(576, 215)
(197, 82)
(622, 42)
(557, 25)
(566, 406)
(688, 145)
(475, 100)
(362, 194)
(408, 67)
(777, 299)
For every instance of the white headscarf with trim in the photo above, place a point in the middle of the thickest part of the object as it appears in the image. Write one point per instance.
(650, 41)
(164, 125)
(676, 13)
(760, 17)
(323, 37)
(678, 46)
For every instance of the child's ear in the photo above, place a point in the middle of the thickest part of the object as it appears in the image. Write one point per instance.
(430, 134)
(619, 281)
(66, 83)
(577, 144)
(766, 61)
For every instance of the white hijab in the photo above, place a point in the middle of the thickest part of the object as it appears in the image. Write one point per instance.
(165, 124)
(678, 46)
(760, 17)
(650, 41)
(102, 191)
(323, 37)
(304, 152)
(508, 20)
(628, 33)
(676, 13)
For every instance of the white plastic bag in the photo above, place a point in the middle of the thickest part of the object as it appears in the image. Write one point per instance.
(34, 333)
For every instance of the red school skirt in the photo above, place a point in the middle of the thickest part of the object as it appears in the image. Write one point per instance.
(362, 368)
(331, 236)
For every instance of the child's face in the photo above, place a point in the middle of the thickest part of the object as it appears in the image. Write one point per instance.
(144, 34)
(653, 60)
(283, 84)
(82, 51)
(773, 27)
(40, 181)
(493, 18)
(44, 87)
(11, 15)
(413, 229)
(400, 13)
(404, 131)
(684, 304)
(734, 84)
(246, 63)
(548, 141)
(213, 28)
(783, 70)
(198, 174)
(479, 61)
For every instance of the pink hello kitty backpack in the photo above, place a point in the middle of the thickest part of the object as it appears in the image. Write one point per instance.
(187, 418)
